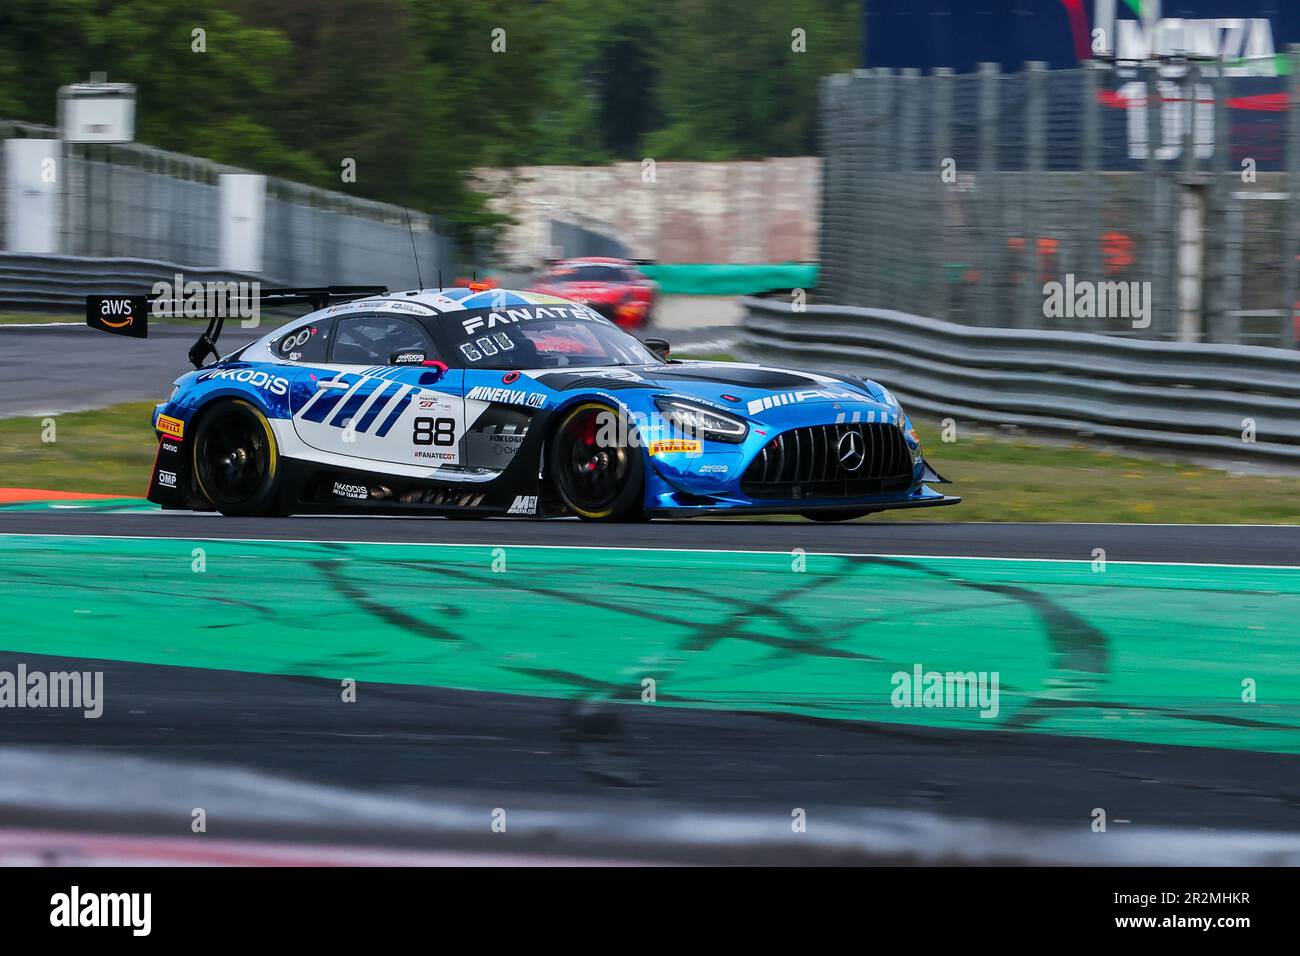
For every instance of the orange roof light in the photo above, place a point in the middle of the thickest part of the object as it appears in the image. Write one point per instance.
(481, 286)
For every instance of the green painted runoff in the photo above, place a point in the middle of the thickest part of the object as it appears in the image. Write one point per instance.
(1153, 653)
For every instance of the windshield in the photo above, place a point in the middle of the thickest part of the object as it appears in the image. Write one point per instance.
(549, 343)
(590, 273)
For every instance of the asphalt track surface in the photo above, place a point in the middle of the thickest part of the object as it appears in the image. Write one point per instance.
(423, 741)
(84, 369)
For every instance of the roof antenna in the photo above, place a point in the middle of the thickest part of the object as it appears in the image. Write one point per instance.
(415, 255)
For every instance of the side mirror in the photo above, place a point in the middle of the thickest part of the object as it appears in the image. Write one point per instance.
(407, 357)
(434, 371)
(659, 346)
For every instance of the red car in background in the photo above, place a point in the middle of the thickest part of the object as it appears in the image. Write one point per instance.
(613, 287)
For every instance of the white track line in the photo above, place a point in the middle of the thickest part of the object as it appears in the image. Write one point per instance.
(38, 325)
(601, 547)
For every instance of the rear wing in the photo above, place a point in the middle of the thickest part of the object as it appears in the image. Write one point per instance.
(129, 314)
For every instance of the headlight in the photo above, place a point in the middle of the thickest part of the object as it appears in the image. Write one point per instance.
(700, 422)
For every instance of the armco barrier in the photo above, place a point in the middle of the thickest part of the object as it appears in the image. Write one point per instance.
(1192, 396)
(48, 283)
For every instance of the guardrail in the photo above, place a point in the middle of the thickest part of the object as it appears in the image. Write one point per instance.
(53, 283)
(1192, 396)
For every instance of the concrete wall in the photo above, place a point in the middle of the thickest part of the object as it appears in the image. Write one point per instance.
(741, 212)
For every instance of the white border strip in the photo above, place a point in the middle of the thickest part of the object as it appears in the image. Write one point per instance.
(38, 325)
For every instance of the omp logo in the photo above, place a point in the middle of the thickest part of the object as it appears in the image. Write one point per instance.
(511, 396)
(74, 908)
(116, 307)
(167, 479)
(272, 383)
(805, 395)
(171, 426)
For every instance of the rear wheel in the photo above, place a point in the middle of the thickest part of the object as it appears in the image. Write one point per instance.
(596, 469)
(828, 516)
(236, 459)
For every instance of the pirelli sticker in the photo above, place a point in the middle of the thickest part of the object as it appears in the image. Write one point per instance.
(171, 426)
(670, 445)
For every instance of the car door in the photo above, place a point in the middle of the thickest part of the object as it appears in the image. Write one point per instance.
(387, 396)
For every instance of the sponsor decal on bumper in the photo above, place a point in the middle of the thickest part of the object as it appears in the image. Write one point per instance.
(670, 446)
(171, 426)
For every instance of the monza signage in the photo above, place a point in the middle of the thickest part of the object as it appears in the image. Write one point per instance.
(961, 34)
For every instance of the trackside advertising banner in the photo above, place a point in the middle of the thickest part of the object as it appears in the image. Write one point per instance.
(1250, 35)
(964, 33)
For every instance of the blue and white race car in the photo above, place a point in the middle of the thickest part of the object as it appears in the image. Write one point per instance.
(473, 402)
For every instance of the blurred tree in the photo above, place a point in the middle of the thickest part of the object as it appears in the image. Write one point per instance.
(204, 103)
(354, 90)
(419, 92)
(731, 84)
(626, 72)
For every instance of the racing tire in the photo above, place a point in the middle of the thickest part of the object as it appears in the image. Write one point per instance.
(596, 482)
(236, 461)
(826, 517)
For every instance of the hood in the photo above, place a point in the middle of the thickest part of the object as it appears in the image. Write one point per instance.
(754, 391)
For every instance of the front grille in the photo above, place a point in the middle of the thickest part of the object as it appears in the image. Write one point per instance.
(806, 463)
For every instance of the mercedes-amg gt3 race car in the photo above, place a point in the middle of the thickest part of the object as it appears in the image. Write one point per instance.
(467, 402)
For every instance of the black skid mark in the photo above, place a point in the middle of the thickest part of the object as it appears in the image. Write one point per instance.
(704, 635)
(422, 628)
(1081, 657)
(1080, 651)
(770, 611)
(268, 613)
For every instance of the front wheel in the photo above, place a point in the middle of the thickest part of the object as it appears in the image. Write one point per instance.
(236, 459)
(828, 516)
(595, 465)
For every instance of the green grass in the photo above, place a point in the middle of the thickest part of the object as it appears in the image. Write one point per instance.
(1001, 479)
(109, 451)
(1014, 479)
